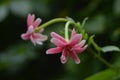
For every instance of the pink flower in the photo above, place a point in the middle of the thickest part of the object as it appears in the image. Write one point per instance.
(32, 24)
(72, 47)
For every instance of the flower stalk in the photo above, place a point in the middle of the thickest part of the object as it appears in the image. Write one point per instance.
(104, 61)
(56, 20)
(98, 56)
(66, 29)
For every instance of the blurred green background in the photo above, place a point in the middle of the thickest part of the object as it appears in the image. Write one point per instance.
(20, 60)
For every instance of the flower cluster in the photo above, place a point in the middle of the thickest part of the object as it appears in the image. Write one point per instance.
(36, 38)
(72, 47)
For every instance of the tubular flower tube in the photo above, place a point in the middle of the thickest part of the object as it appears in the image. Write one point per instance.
(72, 47)
(32, 24)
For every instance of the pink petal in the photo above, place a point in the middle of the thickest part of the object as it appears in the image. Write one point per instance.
(80, 44)
(25, 36)
(33, 40)
(58, 42)
(30, 29)
(42, 38)
(30, 19)
(75, 57)
(39, 42)
(73, 33)
(39, 37)
(36, 23)
(57, 36)
(79, 49)
(54, 50)
(64, 56)
(75, 39)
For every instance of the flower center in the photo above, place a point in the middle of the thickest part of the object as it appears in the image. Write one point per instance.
(68, 48)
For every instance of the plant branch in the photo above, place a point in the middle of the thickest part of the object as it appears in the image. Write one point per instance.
(51, 22)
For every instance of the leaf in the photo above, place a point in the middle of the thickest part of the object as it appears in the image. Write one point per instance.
(103, 75)
(110, 49)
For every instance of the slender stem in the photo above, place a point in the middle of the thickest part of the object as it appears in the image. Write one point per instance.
(104, 61)
(98, 49)
(66, 29)
(51, 22)
(95, 45)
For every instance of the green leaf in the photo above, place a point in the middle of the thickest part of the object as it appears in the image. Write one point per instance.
(103, 75)
(110, 48)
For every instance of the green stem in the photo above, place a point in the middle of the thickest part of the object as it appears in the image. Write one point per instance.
(84, 21)
(51, 22)
(66, 29)
(104, 61)
(92, 42)
(95, 45)
(98, 49)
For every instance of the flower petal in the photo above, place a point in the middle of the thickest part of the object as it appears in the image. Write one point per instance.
(64, 56)
(30, 19)
(80, 44)
(54, 50)
(36, 23)
(57, 42)
(79, 49)
(39, 37)
(75, 39)
(75, 57)
(73, 33)
(32, 40)
(25, 36)
(30, 29)
(57, 36)
(39, 42)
